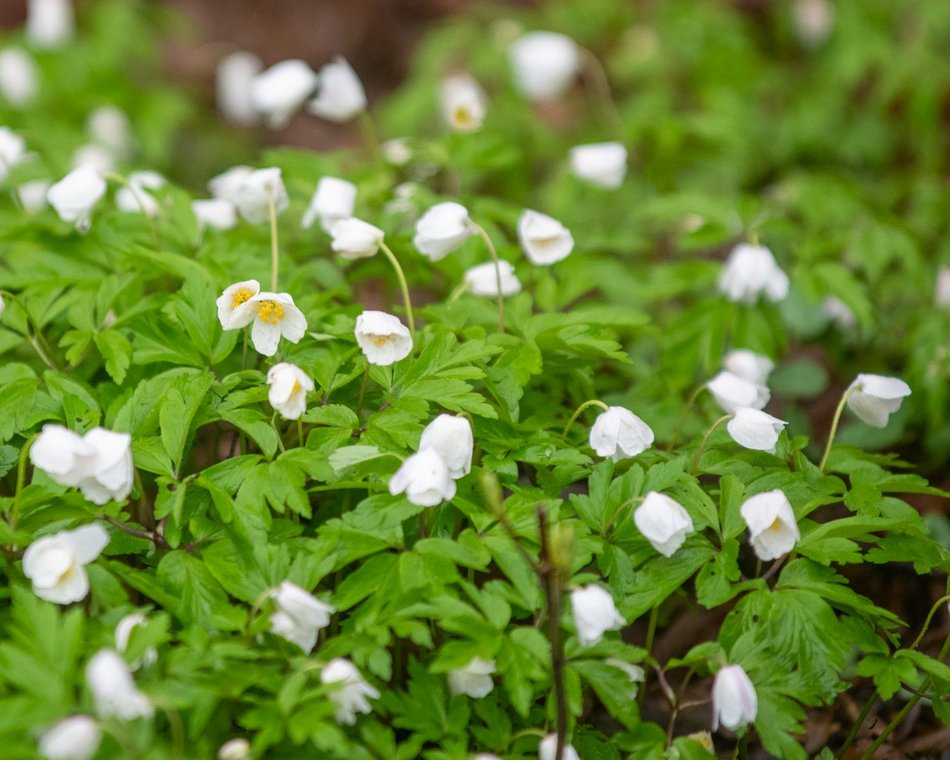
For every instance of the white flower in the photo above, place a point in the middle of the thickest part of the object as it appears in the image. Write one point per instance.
(382, 337)
(12, 151)
(225, 186)
(618, 433)
(235, 749)
(734, 702)
(482, 280)
(255, 192)
(474, 680)
(840, 313)
(544, 63)
(876, 397)
(813, 20)
(2, 306)
(733, 392)
(352, 694)
(397, 151)
(773, 530)
(543, 239)
(452, 439)
(749, 365)
(425, 479)
(663, 522)
(282, 89)
(74, 196)
(602, 164)
(340, 96)
(273, 314)
(134, 196)
(18, 77)
(594, 614)
(755, 429)
(215, 213)
(55, 563)
(942, 289)
(299, 615)
(751, 272)
(74, 738)
(355, 239)
(113, 690)
(233, 81)
(548, 749)
(109, 127)
(463, 103)
(93, 156)
(289, 386)
(442, 229)
(32, 195)
(333, 201)
(233, 297)
(50, 23)
(123, 632)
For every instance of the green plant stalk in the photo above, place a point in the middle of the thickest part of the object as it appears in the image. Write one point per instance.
(595, 74)
(554, 593)
(702, 446)
(853, 733)
(20, 480)
(494, 256)
(578, 411)
(370, 133)
(274, 255)
(834, 427)
(648, 645)
(403, 286)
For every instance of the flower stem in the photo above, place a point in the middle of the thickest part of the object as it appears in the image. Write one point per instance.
(359, 403)
(933, 611)
(853, 733)
(834, 426)
(403, 286)
(648, 644)
(494, 255)
(370, 133)
(596, 76)
(274, 258)
(702, 445)
(553, 589)
(577, 413)
(457, 292)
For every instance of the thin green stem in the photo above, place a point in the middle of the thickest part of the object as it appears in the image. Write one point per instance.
(370, 133)
(596, 75)
(494, 256)
(274, 256)
(20, 480)
(403, 286)
(578, 411)
(33, 332)
(702, 445)
(856, 726)
(834, 426)
(554, 591)
(300, 441)
(280, 440)
(359, 403)
(648, 644)
(457, 292)
(933, 611)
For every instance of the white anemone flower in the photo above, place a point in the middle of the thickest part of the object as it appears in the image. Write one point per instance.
(274, 315)
(214, 213)
(942, 288)
(751, 272)
(442, 229)
(123, 632)
(543, 239)
(333, 201)
(773, 530)
(225, 186)
(235, 749)
(814, 20)
(136, 195)
(289, 386)
(749, 365)
(113, 689)
(544, 64)
(19, 77)
(352, 693)
(463, 103)
(94, 156)
(733, 392)
(32, 195)
(12, 151)
(755, 429)
(424, 478)
(618, 433)
(55, 564)
(383, 339)
(50, 23)
(452, 439)
(233, 81)
(74, 738)
(839, 313)
(663, 522)
(594, 614)
(75, 195)
(474, 680)
(602, 164)
(299, 615)
(109, 127)
(548, 749)
(734, 701)
(257, 191)
(340, 95)
(281, 90)
(874, 398)
(482, 280)
(355, 239)
(233, 297)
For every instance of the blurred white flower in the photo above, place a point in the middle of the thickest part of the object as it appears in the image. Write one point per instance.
(773, 530)
(55, 564)
(383, 339)
(50, 23)
(442, 229)
(942, 289)
(544, 63)
(355, 239)
(32, 195)
(543, 239)
(333, 201)
(840, 313)
(225, 186)
(463, 102)
(93, 156)
(135, 197)
(274, 315)
(281, 90)
(814, 20)
(734, 701)
(663, 522)
(424, 478)
(19, 77)
(547, 750)
(109, 128)
(233, 81)
(233, 297)
(75, 195)
(214, 213)
(733, 392)
(352, 694)
(452, 439)
(482, 280)
(751, 272)
(397, 151)
(876, 397)
(340, 95)
(299, 616)
(594, 614)
(474, 680)
(289, 386)
(12, 151)
(755, 429)
(255, 193)
(74, 738)
(749, 365)
(618, 433)
(235, 749)
(602, 164)
(123, 632)
(113, 689)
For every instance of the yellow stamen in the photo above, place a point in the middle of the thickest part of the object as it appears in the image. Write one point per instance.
(379, 340)
(270, 312)
(462, 117)
(296, 389)
(776, 525)
(240, 296)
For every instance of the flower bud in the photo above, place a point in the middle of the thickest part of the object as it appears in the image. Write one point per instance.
(663, 522)
(601, 164)
(544, 64)
(234, 749)
(548, 749)
(74, 738)
(751, 272)
(594, 614)
(734, 701)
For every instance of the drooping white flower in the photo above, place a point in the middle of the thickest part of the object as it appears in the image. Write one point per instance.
(235, 749)
(543, 239)
(93, 156)
(75, 195)
(109, 127)
(383, 339)
(32, 195)
(18, 77)
(55, 564)
(113, 689)
(225, 186)
(233, 297)
(751, 272)
(813, 20)
(602, 164)
(463, 102)
(755, 429)
(135, 197)
(233, 82)
(352, 693)
(12, 151)
(333, 201)
(289, 386)
(618, 433)
(544, 63)
(274, 315)
(594, 614)
(773, 530)
(424, 478)
(733, 392)
(663, 522)
(876, 397)
(214, 213)
(340, 96)
(452, 439)
(50, 23)
(123, 632)
(482, 280)
(734, 701)
(281, 90)
(474, 680)
(442, 229)
(74, 738)
(942, 288)
(749, 365)
(299, 615)
(255, 193)
(355, 239)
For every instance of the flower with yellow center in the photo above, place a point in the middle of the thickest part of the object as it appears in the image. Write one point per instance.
(463, 103)
(232, 298)
(55, 564)
(289, 386)
(773, 529)
(382, 337)
(273, 315)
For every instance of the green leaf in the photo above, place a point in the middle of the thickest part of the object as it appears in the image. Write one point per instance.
(116, 352)
(177, 411)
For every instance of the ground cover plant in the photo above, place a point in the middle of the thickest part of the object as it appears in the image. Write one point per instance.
(455, 444)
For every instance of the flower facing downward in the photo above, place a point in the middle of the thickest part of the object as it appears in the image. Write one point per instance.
(663, 522)
(50, 23)
(135, 196)
(751, 272)
(601, 164)
(424, 478)
(544, 240)
(618, 433)
(289, 386)
(74, 738)
(452, 439)
(773, 530)
(594, 614)
(755, 430)
(442, 229)
(12, 151)
(548, 749)
(233, 297)
(474, 680)
(482, 280)
(256, 191)
(225, 186)
(74, 196)
(733, 392)
(113, 689)
(233, 82)
(333, 201)
(123, 632)
(734, 702)
(355, 239)
(942, 288)
(280, 90)
(875, 398)
(299, 615)
(18, 77)
(32, 195)
(340, 95)
(544, 63)
(214, 213)
(463, 103)
(352, 694)
(749, 365)
(382, 337)
(273, 314)
(235, 749)
(55, 564)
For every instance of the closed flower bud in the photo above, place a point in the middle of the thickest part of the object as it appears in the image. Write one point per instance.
(340, 95)
(547, 750)
(351, 694)
(663, 522)
(257, 191)
(482, 280)
(383, 339)
(74, 196)
(755, 430)
(235, 749)
(424, 478)
(875, 398)
(56, 564)
(123, 632)
(74, 738)
(618, 433)
(12, 151)
(463, 103)
(594, 614)
(749, 365)
(136, 197)
(282, 89)
(544, 240)
(773, 530)
(355, 239)
(50, 23)
(233, 83)
(733, 392)
(299, 616)
(474, 680)
(289, 386)
(452, 439)
(544, 64)
(18, 77)
(751, 272)
(113, 689)
(333, 201)
(442, 229)
(214, 213)
(734, 702)
(601, 164)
